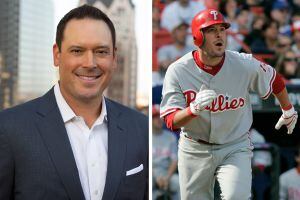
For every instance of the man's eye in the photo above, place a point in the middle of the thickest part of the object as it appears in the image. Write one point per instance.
(101, 52)
(76, 51)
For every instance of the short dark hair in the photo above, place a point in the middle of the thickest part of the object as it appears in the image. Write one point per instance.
(84, 11)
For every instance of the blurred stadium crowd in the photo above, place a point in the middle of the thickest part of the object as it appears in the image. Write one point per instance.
(270, 30)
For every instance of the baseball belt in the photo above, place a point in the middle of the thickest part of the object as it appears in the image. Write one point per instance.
(199, 140)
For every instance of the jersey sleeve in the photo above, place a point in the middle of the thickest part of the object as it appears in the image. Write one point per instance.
(172, 96)
(262, 79)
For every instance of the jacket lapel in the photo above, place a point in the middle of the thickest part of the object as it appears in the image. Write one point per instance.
(54, 134)
(116, 150)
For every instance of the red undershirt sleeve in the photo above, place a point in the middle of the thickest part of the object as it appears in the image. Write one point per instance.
(169, 121)
(278, 84)
(170, 118)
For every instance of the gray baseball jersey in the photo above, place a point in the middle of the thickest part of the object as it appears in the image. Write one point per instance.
(229, 117)
(290, 185)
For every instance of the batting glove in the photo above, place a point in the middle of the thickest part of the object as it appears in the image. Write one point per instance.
(203, 98)
(288, 118)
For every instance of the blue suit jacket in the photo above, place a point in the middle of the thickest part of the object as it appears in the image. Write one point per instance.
(37, 162)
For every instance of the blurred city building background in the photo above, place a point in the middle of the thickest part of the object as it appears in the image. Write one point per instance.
(25, 44)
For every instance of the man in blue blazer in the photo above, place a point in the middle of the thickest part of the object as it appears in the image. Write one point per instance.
(73, 143)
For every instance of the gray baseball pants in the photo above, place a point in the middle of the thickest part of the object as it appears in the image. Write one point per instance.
(199, 165)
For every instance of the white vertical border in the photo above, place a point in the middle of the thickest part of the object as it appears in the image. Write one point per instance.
(143, 28)
(149, 72)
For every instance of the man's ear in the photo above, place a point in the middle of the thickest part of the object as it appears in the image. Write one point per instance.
(56, 55)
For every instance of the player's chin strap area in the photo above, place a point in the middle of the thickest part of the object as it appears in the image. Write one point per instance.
(289, 119)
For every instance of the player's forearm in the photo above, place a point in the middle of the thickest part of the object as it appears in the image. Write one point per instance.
(182, 117)
(283, 99)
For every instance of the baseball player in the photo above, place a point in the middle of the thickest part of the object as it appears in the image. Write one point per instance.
(206, 94)
(290, 181)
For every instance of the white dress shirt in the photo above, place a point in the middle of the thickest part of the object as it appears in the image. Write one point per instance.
(89, 147)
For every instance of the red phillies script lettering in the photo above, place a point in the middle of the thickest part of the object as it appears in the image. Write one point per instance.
(220, 104)
(190, 95)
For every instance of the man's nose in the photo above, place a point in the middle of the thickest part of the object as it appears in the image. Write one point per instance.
(218, 34)
(89, 59)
